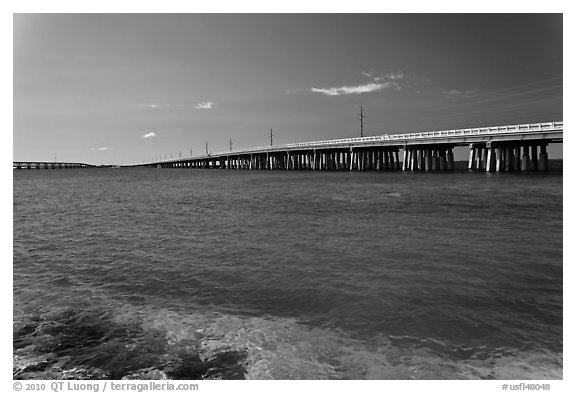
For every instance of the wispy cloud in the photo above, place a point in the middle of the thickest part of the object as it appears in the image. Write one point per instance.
(459, 93)
(360, 89)
(205, 105)
(154, 106)
(377, 82)
(149, 135)
(99, 148)
(395, 76)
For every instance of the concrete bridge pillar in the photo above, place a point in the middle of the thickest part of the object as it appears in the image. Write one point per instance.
(534, 165)
(350, 157)
(490, 159)
(499, 154)
(442, 159)
(405, 159)
(314, 160)
(427, 160)
(517, 158)
(386, 160)
(471, 157)
(543, 162)
(450, 159)
(509, 160)
(478, 155)
(421, 159)
(525, 159)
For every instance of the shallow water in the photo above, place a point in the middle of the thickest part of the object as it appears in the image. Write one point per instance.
(173, 273)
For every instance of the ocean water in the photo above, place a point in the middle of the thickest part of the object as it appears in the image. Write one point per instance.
(190, 274)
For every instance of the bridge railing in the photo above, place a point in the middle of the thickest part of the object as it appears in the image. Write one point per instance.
(536, 127)
(510, 129)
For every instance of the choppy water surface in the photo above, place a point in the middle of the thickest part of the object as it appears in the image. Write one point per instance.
(184, 274)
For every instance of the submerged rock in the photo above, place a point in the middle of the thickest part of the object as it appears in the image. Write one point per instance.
(84, 373)
(147, 373)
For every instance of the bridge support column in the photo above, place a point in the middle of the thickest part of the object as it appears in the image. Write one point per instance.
(490, 158)
(534, 165)
(543, 163)
(443, 160)
(478, 154)
(525, 159)
(471, 157)
(405, 159)
(509, 159)
(450, 159)
(498, 159)
(516, 158)
(386, 160)
(420, 163)
(427, 160)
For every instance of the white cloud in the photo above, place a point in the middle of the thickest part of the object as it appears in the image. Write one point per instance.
(376, 83)
(361, 89)
(456, 92)
(99, 148)
(453, 92)
(149, 135)
(205, 105)
(154, 106)
(395, 76)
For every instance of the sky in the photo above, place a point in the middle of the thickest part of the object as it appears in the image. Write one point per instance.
(124, 88)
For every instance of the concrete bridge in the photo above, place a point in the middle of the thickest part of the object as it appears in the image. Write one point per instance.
(520, 147)
(49, 165)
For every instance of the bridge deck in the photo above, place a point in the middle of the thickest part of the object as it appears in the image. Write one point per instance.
(551, 132)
